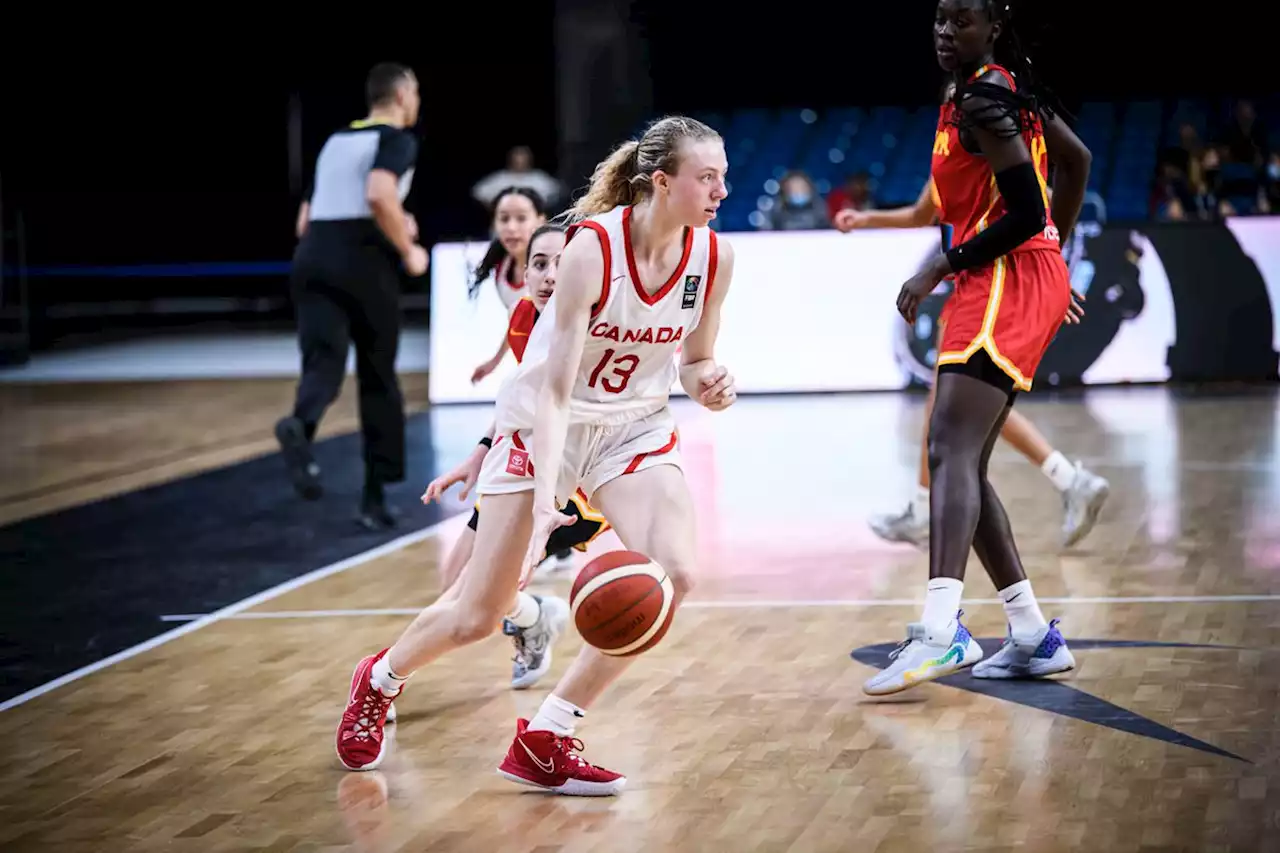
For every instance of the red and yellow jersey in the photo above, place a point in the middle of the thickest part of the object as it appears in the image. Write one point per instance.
(964, 187)
(523, 318)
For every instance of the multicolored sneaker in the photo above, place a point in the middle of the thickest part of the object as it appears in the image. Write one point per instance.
(361, 739)
(924, 656)
(545, 760)
(1043, 653)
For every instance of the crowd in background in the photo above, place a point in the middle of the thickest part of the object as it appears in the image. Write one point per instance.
(1210, 173)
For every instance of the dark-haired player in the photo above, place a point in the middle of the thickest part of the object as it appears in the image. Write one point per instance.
(990, 165)
(517, 213)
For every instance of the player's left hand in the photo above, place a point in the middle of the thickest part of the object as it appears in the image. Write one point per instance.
(716, 390)
(546, 518)
(1075, 311)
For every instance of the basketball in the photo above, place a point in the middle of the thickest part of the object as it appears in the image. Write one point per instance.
(622, 603)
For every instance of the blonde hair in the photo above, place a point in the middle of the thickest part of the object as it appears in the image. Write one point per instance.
(626, 175)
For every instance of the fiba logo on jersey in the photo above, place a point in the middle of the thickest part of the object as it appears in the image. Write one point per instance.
(691, 283)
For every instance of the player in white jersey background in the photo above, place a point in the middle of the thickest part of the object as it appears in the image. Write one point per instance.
(517, 213)
(588, 406)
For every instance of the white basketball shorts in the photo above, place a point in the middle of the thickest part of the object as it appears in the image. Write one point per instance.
(593, 455)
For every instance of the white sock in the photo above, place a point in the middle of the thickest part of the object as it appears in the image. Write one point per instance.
(1059, 470)
(386, 681)
(920, 502)
(556, 715)
(1022, 609)
(526, 612)
(941, 603)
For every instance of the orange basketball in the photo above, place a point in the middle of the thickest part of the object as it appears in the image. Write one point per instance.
(622, 603)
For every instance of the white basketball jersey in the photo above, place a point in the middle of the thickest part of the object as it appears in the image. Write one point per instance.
(509, 293)
(629, 358)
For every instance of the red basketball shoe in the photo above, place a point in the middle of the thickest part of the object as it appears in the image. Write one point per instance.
(361, 744)
(546, 760)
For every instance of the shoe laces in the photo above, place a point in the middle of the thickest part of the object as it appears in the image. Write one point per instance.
(902, 647)
(569, 747)
(373, 707)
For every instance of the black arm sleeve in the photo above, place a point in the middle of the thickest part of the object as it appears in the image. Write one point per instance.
(1024, 217)
(397, 152)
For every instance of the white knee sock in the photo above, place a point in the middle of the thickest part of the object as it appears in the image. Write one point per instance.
(1059, 470)
(556, 715)
(526, 612)
(384, 680)
(1022, 609)
(942, 603)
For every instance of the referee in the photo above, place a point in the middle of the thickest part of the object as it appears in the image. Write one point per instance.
(354, 239)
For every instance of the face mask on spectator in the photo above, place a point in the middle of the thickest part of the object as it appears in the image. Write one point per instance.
(798, 198)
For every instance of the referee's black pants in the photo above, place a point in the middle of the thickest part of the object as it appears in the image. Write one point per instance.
(340, 302)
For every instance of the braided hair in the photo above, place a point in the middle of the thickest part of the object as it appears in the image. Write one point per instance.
(1031, 102)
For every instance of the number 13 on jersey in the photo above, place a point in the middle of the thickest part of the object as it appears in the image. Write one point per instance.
(615, 381)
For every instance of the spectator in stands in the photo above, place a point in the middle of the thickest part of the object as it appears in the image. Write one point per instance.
(1245, 137)
(1210, 167)
(1188, 154)
(854, 195)
(798, 206)
(518, 173)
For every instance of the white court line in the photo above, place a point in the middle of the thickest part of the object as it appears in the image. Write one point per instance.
(196, 622)
(761, 605)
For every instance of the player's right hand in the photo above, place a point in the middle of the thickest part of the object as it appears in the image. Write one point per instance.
(415, 261)
(849, 219)
(546, 519)
(467, 473)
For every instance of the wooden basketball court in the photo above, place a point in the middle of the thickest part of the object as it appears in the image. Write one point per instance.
(746, 728)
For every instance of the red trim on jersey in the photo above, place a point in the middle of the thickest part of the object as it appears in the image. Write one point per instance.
(523, 318)
(640, 457)
(607, 251)
(713, 258)
(644, 295)
(1000, 68)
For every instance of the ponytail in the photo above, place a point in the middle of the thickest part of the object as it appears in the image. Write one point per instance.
(492, 257)
(614, 182)
(626, 175)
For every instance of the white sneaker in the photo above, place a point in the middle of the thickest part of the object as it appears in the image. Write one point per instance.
(905, 526)
(1081, 503)
(925, 656)
(1043, 653)
(533, 644)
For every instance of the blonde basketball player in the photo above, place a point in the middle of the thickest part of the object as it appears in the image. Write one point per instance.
(641, 276)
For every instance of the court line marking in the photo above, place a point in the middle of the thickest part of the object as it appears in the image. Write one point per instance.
(231, 611)
(759, 605)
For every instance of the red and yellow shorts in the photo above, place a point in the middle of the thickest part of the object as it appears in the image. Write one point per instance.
(1011, 310)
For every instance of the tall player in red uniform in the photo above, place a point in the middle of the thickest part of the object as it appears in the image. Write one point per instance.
(990, 169)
